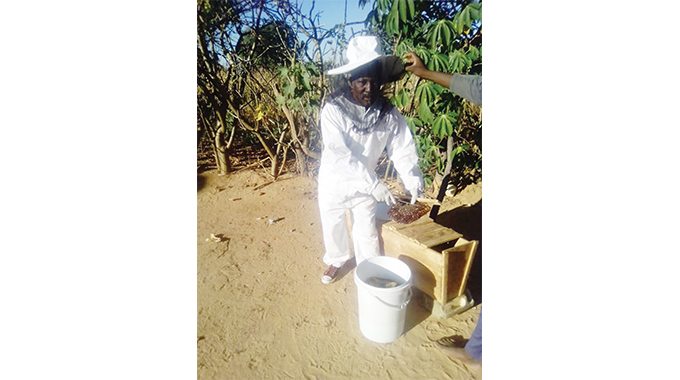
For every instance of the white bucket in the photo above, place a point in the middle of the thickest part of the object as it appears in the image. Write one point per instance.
(382, 311)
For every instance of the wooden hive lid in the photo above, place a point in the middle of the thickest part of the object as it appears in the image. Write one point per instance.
(424, 231)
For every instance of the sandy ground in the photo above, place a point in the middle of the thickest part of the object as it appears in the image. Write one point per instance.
(263, 312)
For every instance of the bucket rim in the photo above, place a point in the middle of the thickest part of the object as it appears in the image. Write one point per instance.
(403, 286)
(408, 283)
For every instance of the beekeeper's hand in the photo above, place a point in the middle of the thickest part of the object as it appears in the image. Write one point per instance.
(415, 192)
(382, 194)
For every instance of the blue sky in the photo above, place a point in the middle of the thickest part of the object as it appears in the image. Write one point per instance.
(332, 12)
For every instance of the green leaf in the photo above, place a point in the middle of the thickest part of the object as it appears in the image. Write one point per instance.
(467, 62)
(432, 39)
(427, 92)
(392, 23)
(384, 4)
(459, 149)
(409, 123)
(441, 33)
(452, 117)
(288, 88)
(405, 45)
(446, 34)
(459, 61)
(440, 164)
(313, 70)
(411, 9)
(400, 98)
(401, 5)
(456, 24)
(280, 100)
(467, 19)
(306, 81)
(443, 125)
(413, 124)
(448, 130)
(395, 24)
(440, 63)
(433, 36)
(459, 25)
(419, 93)
(454, 62)
(475, 11)
(425, 114)
(473, 53)
(436, 127)
(405, 98)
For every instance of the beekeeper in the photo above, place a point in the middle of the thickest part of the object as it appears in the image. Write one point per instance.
(357, 124)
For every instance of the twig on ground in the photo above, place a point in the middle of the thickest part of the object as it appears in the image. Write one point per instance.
(263, 185)
(253, 164)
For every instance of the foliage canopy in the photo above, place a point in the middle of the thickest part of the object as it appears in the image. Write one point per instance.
(261, 78)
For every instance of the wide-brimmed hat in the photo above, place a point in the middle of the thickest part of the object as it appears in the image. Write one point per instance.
(362, 50)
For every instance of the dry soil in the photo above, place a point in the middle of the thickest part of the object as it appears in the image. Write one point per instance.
(263, 312)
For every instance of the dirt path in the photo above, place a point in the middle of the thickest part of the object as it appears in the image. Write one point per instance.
(263, 312)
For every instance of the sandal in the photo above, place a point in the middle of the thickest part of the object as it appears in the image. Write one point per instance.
(452, 341)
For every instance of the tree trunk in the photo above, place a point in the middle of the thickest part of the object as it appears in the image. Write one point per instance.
(222, 161)
(221, 152)
(293, 130)
(449, 150)
(275, 166)
(301, 161)
(283, 162)
(275, 157)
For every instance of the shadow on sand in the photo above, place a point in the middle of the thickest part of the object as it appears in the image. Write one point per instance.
(201, 182)
(415, 311)
(346, 269)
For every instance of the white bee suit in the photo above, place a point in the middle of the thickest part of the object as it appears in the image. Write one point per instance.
(347, 173)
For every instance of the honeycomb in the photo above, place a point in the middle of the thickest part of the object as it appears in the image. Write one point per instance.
(407, 213)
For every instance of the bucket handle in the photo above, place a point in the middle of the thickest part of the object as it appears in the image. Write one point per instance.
(403, 305)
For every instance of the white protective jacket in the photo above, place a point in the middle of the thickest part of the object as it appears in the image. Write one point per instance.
(350, 157)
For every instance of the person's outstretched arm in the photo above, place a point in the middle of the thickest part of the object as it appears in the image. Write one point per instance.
(466, 86)
(416, 66)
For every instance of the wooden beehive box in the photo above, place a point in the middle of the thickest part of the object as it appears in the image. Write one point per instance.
(439, 258)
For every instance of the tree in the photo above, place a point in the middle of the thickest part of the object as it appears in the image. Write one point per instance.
(261, 77)
(447, 36)
(213, 80)
(235, 43)
(303, 88)
(272, 44)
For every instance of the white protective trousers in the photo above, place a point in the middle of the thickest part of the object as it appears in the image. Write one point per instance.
(334, 226)
(347, 177)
